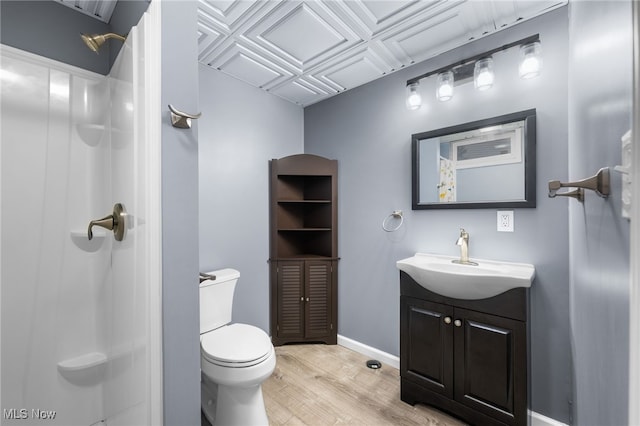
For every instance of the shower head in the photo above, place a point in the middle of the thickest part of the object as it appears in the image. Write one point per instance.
(94, 41)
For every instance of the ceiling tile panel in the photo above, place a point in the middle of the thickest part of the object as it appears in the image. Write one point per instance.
(244, 68)
(430, 36)
(507, 12)
(380, 15)
(208, 38)
(245, 64)
(230, 14)
(353, 74)
(300, 93)
(302, 33)
(352, 69)
(319, 36)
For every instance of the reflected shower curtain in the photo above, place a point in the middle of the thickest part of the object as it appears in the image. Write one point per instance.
(447, 183)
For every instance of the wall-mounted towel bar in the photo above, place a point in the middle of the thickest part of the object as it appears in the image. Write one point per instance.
(598, 183)
(181, 119)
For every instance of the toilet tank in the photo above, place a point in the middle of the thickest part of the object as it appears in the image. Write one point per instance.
(216, 299)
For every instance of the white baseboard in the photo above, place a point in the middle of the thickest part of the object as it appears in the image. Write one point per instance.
(381, 356)
(536, 419)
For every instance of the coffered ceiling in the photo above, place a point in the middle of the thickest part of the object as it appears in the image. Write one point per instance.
(308, 50)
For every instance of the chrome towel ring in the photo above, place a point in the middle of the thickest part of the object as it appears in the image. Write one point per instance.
(396, 214)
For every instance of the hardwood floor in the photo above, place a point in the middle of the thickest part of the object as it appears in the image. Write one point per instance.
(330, 384)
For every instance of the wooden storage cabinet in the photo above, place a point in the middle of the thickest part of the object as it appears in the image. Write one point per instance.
(303, 249)
(466, 357)
(305, 302)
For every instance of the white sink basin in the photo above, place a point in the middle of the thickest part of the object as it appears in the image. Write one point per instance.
(437, 273)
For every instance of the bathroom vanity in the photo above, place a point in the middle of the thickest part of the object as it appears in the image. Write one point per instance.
(465, 357)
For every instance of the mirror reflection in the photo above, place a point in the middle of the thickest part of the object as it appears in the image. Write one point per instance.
(483, 164)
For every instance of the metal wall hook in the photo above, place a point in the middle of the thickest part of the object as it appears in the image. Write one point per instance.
(578, 194)
(115, 222)
(181, 119)
(598, 183)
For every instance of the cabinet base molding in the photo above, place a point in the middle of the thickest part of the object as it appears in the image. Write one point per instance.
(412, 393)
(537, 419)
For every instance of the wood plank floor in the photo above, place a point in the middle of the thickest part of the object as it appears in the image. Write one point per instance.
(330, 384)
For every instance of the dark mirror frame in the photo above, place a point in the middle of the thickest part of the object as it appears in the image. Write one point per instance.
(529, 117)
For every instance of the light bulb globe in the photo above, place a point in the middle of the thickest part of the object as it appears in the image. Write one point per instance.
(483, 76)
(444, 86)
(414, 100)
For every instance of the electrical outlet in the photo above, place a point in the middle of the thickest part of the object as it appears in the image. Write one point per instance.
(505, 221)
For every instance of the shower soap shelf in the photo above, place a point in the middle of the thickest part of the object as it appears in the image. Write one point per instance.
(91, 134)
(82, 362)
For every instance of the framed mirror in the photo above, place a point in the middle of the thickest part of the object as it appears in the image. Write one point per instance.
(488, 163)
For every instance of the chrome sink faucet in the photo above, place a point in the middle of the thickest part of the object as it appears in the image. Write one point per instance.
(463, 242)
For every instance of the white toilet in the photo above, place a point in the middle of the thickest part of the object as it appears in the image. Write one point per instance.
(234, 358)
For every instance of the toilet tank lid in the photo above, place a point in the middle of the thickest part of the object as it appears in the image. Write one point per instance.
(223, 275)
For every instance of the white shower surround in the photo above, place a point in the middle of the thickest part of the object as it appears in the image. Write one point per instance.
(81, 321)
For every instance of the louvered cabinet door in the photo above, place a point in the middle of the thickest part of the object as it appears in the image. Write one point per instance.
(318, 297)
(290, 300)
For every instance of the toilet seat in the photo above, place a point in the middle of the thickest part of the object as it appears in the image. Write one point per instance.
(235, 346)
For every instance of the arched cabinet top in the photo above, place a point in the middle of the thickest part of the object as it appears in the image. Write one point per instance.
(306, 164)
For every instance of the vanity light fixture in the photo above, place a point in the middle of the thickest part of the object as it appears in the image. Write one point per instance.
(530, 60)
(444, 86)
(414, 100)
(480, 67)
(483, 74)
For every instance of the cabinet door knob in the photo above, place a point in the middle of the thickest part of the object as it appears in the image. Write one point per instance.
(307, 299)
(447, 320)
(301, 299)
(457, 323)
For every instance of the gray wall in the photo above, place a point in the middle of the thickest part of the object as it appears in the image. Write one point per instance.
(180, 313)
(367, 129)
(49, 29)
(600, 97)
(241, 130)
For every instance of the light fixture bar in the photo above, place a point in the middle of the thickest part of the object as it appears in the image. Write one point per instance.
(472, 59)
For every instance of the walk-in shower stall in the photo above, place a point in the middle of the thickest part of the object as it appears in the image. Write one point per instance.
(80, 318)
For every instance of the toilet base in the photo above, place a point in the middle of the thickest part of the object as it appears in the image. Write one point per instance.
(233, 406)
(208, 399)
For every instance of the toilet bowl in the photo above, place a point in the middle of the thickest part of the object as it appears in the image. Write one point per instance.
(234, 358)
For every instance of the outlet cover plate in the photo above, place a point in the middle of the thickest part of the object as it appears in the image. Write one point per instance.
(505, 221)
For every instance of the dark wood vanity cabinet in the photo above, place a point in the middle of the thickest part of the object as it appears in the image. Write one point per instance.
(303, 249)
(466, 357)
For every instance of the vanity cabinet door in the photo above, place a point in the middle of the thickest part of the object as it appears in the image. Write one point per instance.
(426, 344)
(290, 299)
(490, 365)
(318, 306)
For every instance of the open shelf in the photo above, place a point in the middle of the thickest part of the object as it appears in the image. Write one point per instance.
(303, 206)
(304, 188)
